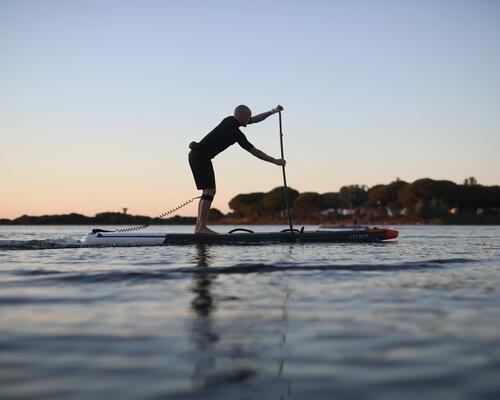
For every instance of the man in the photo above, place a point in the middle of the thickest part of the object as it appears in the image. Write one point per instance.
(224, 135)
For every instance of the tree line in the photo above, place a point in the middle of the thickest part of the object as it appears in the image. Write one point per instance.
(105, 218)
(423, 199)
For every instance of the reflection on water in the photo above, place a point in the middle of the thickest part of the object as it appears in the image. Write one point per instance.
(202, 303)
(225, 352)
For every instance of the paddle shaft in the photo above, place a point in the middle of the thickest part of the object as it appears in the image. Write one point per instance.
(285, 188)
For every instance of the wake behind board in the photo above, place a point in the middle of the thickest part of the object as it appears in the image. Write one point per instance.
(103, 238)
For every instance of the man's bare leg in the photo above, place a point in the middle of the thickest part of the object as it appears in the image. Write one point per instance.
(203, 209)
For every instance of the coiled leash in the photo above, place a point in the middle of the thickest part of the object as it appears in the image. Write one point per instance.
(163, 215)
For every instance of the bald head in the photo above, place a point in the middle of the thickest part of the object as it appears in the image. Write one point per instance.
(242, 113)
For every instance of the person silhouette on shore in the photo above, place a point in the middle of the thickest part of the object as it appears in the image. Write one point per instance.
(219, 139)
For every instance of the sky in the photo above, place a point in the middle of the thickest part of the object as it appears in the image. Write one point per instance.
(100, 99)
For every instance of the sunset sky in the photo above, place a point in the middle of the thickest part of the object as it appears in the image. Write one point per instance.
(99, 99)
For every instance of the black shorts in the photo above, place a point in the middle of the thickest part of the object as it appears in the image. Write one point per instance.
(203, 170)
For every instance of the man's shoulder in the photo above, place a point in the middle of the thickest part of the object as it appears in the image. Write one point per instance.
(229, 124)
(230, 121)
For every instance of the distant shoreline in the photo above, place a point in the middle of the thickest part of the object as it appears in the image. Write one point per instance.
(337, 221)
(423, 202)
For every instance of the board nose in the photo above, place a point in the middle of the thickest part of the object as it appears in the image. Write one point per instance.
(391, 234)
(387, 233)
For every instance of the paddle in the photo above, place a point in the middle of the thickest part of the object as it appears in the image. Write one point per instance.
(285, 189)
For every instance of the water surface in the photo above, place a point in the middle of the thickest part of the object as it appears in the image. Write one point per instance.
(413, 318)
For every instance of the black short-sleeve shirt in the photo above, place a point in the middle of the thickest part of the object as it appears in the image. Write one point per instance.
(222, 136)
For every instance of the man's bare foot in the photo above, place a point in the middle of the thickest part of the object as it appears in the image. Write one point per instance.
(206, 231)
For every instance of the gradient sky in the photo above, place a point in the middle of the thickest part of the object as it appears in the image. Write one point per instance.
(99, 99)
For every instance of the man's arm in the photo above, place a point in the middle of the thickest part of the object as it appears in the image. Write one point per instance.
(263, 156)
(264, 115)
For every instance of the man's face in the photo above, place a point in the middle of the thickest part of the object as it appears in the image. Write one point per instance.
(246, 118)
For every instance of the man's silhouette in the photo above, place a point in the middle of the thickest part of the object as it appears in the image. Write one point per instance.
(222, 136)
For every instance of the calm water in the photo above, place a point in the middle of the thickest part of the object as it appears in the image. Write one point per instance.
(417, 318)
